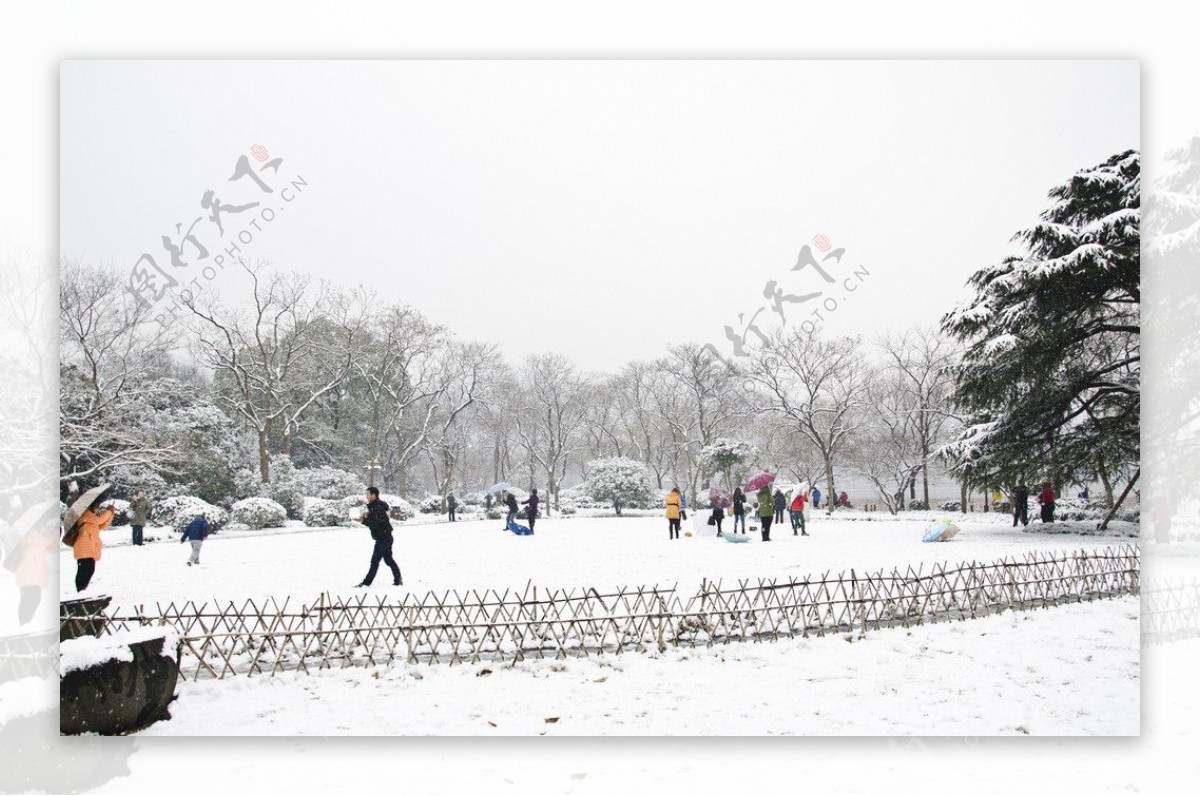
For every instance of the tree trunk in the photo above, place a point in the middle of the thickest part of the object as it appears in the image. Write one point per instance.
(264, 454)
(925, 480)
(1124, 494)
(963, 491)
(831, 498)
(1102, 471)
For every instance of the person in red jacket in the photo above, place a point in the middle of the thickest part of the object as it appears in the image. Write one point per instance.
(797, 511)
(1046, 498)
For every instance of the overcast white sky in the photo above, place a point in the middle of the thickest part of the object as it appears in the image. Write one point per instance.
(600, 209)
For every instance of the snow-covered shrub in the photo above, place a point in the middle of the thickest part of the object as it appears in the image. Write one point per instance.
(567, 510)
(1130, 513)
(494, 513)
(259, 512)
(285, 488)
(398, 507)
(121, 513)
(918, 505)
(327, 482)
(430, 504)
(950, 505)
(127, 480)
(320, 513)
(1068, 509)
(618, 481)
(246, 483)
(177, 512)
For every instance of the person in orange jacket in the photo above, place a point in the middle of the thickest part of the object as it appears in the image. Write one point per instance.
(87, 546)
(674, 503)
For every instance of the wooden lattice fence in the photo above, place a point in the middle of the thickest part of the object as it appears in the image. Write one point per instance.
(221, 638)
(1171, 612)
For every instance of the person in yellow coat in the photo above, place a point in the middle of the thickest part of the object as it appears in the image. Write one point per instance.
(87, 545)
(674, 509)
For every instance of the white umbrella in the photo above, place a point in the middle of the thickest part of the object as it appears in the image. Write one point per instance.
(500, 487)
(80, 505)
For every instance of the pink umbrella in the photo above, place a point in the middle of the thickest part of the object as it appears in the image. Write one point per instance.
(759, 481)
(719, 497)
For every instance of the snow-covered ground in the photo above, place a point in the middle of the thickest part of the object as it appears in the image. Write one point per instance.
(1067, 670)
(1071, 670)
(601, 552)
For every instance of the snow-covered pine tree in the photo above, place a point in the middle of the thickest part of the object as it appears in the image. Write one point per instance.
(1049, 384)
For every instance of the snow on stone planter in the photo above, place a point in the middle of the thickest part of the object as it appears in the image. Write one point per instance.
(116, 684)
(177, 512)
(259, 512)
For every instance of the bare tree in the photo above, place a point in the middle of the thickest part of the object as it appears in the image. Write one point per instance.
(111, 352)
(271, 360)
(469, 373)
(401, 372)
(888, 446)
(550, 422)
(921, 360)
(817, 385)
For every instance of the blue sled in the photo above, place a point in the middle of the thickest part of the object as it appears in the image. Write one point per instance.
(520, 530)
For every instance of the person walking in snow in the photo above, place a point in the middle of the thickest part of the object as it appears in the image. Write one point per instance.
(377, 520)
(1046, 498)
(766, 510)
(195, 532)
(140, 507)
(739, 509)
(780, 505)
(531, 507)
(88, 546)
(451, 505)
(797, 511)
(816, 497)
(717, 517)
(674, 505)
(510, 500)
(1020, 505)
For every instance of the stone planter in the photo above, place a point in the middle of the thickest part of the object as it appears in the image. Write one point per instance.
(118, 696)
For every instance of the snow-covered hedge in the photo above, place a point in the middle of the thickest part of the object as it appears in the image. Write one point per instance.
(259, 512)
(398, 507)
(319, 513)
(177, 512)
(430, 504)
(918, 505)
(327, 482)
(950, 505)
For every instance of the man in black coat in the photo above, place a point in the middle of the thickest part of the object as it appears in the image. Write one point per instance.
(1021, 504)
(380, 524)
(531, 508)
